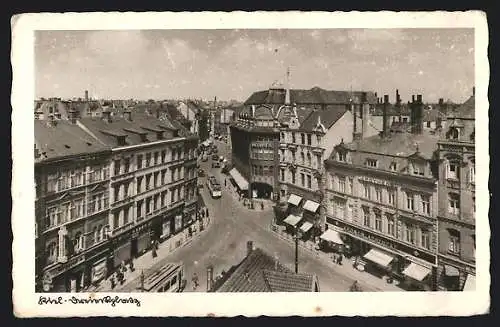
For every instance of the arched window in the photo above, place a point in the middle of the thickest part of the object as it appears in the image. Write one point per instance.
(453, 133)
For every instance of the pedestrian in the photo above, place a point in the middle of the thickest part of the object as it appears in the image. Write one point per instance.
(153, 252)
(262, 205)
(131, 264)
(334, 255)
(225, 182)
(112, 281)
(340, 259)
(207, 212)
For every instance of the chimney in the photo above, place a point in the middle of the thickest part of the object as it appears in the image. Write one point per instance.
(249, 247)
(86, 95)
(384, 116)
(72, 115)
(364, 114)
(398, 98)
(106, 116)
(474, 91)
(355, 134)
(127, 114)
(417, 115)
(287, 92)
(210, 277)
(413, 98)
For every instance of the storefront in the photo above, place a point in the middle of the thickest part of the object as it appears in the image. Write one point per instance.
(381, 256)
(455, 275)
(331, 241)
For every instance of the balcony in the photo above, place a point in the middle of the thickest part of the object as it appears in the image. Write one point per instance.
(453, 184)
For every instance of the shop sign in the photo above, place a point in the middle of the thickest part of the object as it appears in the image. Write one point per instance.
(390, 245)
(99, 271)
(376, 181)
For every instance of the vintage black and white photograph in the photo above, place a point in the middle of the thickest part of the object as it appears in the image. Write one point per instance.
(255, 160)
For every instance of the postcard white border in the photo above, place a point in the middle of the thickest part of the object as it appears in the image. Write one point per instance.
(203, 304)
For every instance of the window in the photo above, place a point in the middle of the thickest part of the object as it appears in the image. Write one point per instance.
(149, 205)
(410, 234)
(378, 194)
(302, 179)
(425, 239)
(318, 161)
(452, 171)
(163, 157)
(410, 204)
(351, 185)
(418, 169)
(318, 140)
(453, 133)
(303, 138)
(52, 252)
(393, 166)
(116, 220)
(391, 197)
(293, 177)
(339, 209)
(341, 184)
(309, 137)
(428, 124)
(341, 156)
(366, 217)
(391, 230)
(454, 204)
(371, 163)
(157, 161)
(282, 136)
(472, 173)
(139, 184)
(302, 158)
(148, 160)
(309, 180)
(308, 159)
(282, 155)
(293, 138)
(366, 191)
(474, 206)
(126, 165)
(454, 241)
(125, 215)
(139, 208)
(282, 174)
(378, 221)
(426, 204)
(293, 156)
(53, 217)
(139, 161)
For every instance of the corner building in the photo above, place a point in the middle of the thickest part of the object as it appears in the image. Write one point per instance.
(382, 201)
(457, 208)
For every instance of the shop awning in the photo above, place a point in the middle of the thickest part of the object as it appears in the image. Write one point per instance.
(306, 227)
(470, 283)
(332, 236)
(379, 257)
(311, 206)
(239, 179)
(294, 199)
(292, 220)
(416, 272)
(451, 271)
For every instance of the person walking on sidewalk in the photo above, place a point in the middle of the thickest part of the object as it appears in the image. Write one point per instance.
(262, 205)
(207, 212)
(195, 281)
(339, 259)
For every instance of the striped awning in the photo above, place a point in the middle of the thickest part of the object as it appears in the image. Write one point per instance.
(311, 206)
(292, 220)
(306, 226)
(294, 199)
(379, 257)
(416, 272)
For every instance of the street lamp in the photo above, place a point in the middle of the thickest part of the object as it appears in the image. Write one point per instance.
(297, 236)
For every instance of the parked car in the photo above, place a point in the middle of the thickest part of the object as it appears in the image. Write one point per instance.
(216, 164)
(225, 169)
(215, 157)
(201, 173)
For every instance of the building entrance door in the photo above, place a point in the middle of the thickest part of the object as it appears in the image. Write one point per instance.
(133, 248)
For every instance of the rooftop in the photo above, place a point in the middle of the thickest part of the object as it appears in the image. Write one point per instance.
(398, 144)
(328, 116)
(467, 110)
(260, 272)
(316, 95)
(64, 139)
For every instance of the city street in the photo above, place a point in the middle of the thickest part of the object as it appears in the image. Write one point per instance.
(223, 244)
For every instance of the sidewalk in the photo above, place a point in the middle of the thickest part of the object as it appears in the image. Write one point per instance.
(268, 204)
(363, 278)
(146, 261)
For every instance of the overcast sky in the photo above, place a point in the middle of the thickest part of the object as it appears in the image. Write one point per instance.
(231, 64)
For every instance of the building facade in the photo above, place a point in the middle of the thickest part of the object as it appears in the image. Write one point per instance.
(382, 198)
(72, 203)
(457, 213)
(146, 194)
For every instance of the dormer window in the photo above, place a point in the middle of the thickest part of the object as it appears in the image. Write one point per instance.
(453, 133)
(342, 156)
(393, 166)
(372, 163)
(417, 169)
